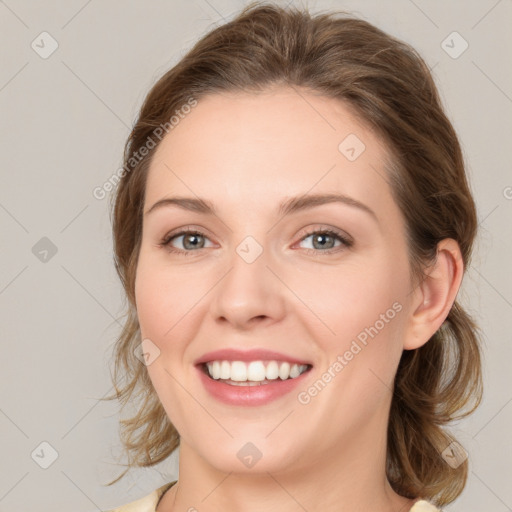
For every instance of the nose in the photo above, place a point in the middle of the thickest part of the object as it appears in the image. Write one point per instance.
(250, 293)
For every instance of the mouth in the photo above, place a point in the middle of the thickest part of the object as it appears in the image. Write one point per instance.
(248, 378)
(253, 373)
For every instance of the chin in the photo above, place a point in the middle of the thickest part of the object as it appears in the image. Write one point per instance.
(251, 457)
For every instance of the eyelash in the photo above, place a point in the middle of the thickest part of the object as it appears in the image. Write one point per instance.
(165, 243)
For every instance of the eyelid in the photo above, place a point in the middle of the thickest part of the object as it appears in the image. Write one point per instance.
(343, 235)
(346, 240)
(166, 239)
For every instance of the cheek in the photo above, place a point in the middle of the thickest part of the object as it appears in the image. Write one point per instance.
(165, 297)
(152, 302)
(349, 298)
(359, 315)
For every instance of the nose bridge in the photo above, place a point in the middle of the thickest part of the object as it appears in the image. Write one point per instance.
(249, 289)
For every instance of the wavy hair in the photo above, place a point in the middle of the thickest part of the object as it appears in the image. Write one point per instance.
(388, 86)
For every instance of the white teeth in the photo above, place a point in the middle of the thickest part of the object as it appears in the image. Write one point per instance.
(216, 368)
(294, 372)
(225, 370)
(238, 371)
(284, 370)
(255, 371)
(272, 372)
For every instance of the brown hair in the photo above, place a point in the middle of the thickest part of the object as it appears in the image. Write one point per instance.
(389, 87)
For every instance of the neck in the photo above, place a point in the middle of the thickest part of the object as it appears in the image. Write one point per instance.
(351, 478)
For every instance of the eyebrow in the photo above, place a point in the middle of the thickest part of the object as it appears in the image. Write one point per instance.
(291, 205)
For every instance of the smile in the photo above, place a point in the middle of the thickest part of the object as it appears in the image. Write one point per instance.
(255, 372)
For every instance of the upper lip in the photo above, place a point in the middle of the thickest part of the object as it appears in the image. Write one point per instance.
(256, 354)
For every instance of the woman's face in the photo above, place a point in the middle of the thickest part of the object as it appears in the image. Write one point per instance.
(260, 273)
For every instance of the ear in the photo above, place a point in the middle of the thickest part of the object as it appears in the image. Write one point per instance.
(435, 295)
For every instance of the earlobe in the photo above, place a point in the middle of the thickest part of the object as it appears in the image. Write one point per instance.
(435, 295)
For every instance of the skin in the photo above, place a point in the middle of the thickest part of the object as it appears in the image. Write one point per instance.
(246, 153)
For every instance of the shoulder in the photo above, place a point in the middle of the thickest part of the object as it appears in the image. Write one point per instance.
(147, 503)
(424, 506)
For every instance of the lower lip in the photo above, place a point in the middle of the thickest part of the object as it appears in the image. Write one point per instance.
(249, 395)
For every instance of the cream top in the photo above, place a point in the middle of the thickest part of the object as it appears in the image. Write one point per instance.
(150, 502)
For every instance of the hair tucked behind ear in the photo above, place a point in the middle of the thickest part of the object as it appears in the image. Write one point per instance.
(389, 88)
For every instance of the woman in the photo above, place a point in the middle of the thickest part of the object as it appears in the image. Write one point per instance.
(292, 229)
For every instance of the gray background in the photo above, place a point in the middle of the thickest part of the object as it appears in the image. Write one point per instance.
(64, 120)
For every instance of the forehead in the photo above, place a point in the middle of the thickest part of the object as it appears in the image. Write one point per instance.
(245, 148)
